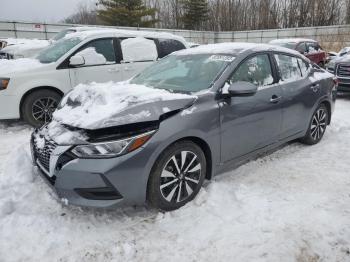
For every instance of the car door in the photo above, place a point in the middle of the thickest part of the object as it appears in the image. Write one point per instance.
(102, 63)
(138, 53)
(298, 90)
(251, 123)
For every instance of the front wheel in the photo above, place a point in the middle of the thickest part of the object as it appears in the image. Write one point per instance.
(317, 127)
(177, 176)
(37, 108)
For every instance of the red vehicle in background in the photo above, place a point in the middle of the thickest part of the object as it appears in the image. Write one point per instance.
(308, 47)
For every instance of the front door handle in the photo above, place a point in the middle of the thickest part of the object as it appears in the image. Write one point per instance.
(315, 87)
(275, 99)
(113, 70)
(128, 69)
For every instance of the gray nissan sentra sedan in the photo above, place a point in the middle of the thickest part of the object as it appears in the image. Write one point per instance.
(190, 116)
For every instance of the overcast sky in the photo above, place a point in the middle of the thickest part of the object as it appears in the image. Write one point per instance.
(39, 10)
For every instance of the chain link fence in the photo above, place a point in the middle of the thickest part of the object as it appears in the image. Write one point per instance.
(330, 37)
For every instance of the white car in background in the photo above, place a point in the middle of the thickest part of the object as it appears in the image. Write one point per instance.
(23, 48)
(32, 88)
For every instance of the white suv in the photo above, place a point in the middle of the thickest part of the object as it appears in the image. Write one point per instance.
(32, 88)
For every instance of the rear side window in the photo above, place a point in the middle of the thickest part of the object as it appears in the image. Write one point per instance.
(256, 70)
(288, 67)
(138, 49)
(313, 47)
(168, 46)
(304, 67)
(301, 47)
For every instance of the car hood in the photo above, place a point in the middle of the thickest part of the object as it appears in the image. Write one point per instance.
(97, 106)
(26, 49)
(342, 59)
(18, 67)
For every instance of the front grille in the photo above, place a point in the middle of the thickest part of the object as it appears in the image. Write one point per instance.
(43, 154)
(343, 70)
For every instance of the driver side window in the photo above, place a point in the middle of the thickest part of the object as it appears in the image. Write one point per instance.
(98, 52)
(256, 70)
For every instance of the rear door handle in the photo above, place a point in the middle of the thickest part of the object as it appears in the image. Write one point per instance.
(275, 99)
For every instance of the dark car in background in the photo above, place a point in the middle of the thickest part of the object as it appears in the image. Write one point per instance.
(340, 67)
(186, 118)
(308, 47)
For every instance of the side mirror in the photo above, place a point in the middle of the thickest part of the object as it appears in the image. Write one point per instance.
(242, 88)
(77, 60)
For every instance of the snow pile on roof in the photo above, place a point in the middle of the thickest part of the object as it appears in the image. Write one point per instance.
(91, 57)
(22, 64)
(93, 105)
(291, 40)
(230, 48)
(126, 33)
(224, 48)
(139, 49)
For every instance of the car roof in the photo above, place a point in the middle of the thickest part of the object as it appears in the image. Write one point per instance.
(292, 40)
(234, 49)
(108, 32)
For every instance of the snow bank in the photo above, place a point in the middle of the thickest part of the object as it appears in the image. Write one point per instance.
(22, 64)
(93, 105)
(139, 49)
(290, 206)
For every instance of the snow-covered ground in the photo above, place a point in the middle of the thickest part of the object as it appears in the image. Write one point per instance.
(293, 205)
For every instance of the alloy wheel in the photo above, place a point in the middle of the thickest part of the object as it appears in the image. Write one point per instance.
(43, 108)
(180, 176)
(318, 124)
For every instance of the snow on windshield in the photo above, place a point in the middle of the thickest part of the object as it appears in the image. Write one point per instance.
(139, 49)
(95, 105)
(91, 57)
(22, 64)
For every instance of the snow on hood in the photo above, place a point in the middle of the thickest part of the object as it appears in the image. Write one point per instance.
(32, 45)
(22, 64)
(95, 106)
(340, 59)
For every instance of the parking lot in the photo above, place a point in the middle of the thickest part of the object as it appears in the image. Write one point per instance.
(292, 205)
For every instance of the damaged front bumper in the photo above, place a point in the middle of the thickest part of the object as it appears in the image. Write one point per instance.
(100, 183)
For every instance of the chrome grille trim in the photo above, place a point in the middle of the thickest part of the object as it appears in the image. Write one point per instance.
(343, 70)
(43, 155)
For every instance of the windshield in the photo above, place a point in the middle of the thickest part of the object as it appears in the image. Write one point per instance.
(62, 34)
(184, 73)
(286, 45)
(57, 50)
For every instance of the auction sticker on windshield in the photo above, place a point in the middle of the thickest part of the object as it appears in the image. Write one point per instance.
(222, 58)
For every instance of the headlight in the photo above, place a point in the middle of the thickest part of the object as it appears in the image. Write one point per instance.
(113, 148)
(4, 82)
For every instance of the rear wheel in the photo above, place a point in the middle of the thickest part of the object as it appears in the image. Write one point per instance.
(37, 108)
(177, 176)
(317, 126)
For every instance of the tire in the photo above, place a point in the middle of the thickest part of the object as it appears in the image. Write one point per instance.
(166, 182)
(37, 107)
(317, 126)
